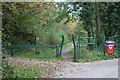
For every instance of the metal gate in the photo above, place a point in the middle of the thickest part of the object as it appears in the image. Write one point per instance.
(11, 50)
(84, 49)
(83, 45)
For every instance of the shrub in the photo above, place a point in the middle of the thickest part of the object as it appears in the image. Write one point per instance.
(86, 54)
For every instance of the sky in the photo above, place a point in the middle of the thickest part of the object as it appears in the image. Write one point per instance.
(58, 0)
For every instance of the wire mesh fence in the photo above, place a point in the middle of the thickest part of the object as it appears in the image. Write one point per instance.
(87, 48)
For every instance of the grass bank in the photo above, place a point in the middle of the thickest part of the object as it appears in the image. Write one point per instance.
(28, 71)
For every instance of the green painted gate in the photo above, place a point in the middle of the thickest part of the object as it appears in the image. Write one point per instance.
(82, 44)
(81, 47)
(20, 48)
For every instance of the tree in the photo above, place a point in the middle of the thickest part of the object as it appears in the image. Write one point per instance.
(23, 21)
(110, 18)
(98, 23)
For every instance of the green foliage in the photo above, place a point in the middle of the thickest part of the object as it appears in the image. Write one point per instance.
(23, 22)
(85, 14)
(85, 53)
(110, 18)
(54, 37)
(19, 27)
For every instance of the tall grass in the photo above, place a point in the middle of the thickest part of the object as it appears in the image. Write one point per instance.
(91, 55)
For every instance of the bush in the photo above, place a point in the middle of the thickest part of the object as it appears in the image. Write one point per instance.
(53, 37)
(86, 54)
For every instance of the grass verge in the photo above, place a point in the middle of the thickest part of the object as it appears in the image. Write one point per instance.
(95, 59)
(28, 71)
(71, 53)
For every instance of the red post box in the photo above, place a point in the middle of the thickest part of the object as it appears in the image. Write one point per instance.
(110, 46)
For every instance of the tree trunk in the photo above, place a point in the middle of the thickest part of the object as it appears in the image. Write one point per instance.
(97, 23)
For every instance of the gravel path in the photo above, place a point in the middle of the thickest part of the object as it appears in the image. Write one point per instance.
(96, 69)
(65, 54)
(67, 49)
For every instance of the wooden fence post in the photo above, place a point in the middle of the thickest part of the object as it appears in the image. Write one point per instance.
(57, 52)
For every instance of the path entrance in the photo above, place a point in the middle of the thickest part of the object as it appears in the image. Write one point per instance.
(65, 54)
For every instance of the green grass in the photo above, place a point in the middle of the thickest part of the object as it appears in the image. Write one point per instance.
(32, 54)
(87, 60)
(71, 53)
(27, 71)
(41, 56)
(95, 58)
(48, 54)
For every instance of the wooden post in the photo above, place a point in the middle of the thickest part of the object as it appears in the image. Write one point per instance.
(74, 47)
(57, 52)
(37, 43)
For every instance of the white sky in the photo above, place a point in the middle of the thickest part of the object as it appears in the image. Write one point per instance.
(59, 0)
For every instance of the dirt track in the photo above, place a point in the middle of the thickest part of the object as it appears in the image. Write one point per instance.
(97, 69)
(65, 54)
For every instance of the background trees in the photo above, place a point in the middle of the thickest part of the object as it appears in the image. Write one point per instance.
(97, 19)
(23, 22)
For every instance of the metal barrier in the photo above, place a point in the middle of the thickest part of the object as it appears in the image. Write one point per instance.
(80, 51)
(77, 45)
(117, 42)
(23, 47)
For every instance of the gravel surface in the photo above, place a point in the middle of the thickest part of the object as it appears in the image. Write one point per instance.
(96, 69)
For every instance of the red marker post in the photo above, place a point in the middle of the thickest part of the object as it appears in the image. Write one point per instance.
(110, 45)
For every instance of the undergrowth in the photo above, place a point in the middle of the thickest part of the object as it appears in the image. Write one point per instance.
(92, 55)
